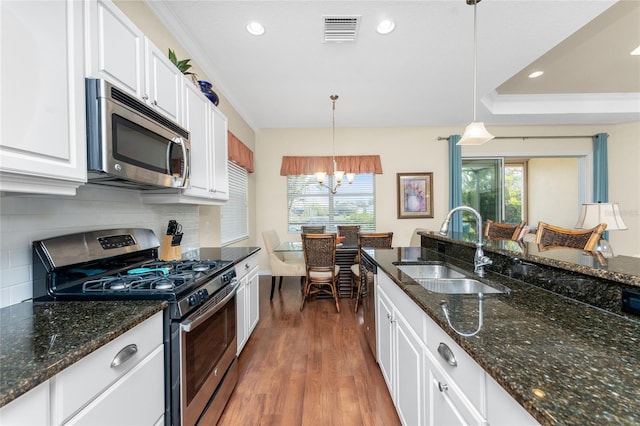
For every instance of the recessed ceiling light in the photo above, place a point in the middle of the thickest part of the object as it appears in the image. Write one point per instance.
(636, 51)
(536, 74)
(255, 28)
(385, 26)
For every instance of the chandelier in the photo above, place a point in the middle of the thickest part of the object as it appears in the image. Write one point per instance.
(338, 176)
(475, 133)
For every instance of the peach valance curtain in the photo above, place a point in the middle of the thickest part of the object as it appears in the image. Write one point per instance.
(239, 153)
(348, 163)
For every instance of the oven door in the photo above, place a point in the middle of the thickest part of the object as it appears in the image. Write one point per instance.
(208, 348)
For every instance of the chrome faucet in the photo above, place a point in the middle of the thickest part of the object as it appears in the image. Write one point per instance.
(479, 259)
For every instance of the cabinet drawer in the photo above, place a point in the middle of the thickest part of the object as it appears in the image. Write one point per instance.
(243, 267)
(469, 376)
(77, 385)
(136, 399)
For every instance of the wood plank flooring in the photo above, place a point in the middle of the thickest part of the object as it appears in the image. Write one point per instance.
(308, 368)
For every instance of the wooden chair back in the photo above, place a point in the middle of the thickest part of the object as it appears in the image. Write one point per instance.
(313, 229)
(319, 250)
(350, 234)
(373, 240)
(503, 231)
(550, 236)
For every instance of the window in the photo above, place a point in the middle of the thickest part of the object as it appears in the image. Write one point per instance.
(309, 203)
(234, 213)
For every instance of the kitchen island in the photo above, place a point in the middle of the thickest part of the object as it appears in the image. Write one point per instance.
(564, 361)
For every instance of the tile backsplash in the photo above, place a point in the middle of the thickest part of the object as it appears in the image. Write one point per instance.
(25, 218)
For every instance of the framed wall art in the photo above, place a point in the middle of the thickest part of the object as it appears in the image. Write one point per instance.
(415, 195)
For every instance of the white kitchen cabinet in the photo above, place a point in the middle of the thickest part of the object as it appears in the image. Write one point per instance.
(448, 405)
(209, 181)
(42, 136)
(119, 52)
(247, 299)
(502, 409)
(126, 384)
(30, 409)
(401, 359)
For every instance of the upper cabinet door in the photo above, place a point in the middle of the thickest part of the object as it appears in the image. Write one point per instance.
(163, 82)
(42, 136)
(117, 48)
(220, 184)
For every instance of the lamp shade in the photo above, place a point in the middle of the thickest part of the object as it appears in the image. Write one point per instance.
(594, 214)
(475, 134)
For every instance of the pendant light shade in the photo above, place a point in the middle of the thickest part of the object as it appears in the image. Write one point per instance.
(475, 133)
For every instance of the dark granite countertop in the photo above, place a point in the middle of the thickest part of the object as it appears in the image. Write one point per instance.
(622, 269)
(565, 361)
(40, 339)
(233, 254)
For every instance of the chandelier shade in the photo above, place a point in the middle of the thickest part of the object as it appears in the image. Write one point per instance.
(594, 214)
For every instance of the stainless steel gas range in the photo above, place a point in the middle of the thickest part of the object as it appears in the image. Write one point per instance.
(200, 324)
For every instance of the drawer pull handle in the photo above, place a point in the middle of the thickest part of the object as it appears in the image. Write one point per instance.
(446, 353)
(124, 355)
(247, 266)
(443, 387)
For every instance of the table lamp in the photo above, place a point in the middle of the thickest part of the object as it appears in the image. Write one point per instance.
(594, 214)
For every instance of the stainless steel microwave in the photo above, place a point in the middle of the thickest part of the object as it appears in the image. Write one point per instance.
(131, 145)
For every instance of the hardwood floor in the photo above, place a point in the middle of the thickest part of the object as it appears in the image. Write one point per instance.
(308, 368)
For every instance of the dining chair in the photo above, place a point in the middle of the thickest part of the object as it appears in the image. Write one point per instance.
(550, 236)
(321, 269)
(416, 239)
(350, 234)
(367, 240)
(281, 266)
(313, 229)
(503, 231)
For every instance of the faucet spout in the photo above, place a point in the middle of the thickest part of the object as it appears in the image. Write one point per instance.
(479, 258)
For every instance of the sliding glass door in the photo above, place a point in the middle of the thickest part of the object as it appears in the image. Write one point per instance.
(495, 188)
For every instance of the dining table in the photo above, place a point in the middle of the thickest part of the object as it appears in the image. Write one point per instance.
(345, 257)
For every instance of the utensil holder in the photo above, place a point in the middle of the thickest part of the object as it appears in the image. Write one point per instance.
(169, 252)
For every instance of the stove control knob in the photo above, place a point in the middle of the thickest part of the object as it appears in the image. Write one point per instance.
(194, 299)
(204, 294)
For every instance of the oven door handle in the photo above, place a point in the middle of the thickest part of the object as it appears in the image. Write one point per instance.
(191, 323)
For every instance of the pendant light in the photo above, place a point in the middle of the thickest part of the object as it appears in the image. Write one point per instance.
(338, 176)
(475, 133)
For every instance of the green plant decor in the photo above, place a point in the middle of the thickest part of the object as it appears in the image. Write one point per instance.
(182, 65)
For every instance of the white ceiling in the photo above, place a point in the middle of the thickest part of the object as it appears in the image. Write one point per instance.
(422, 73)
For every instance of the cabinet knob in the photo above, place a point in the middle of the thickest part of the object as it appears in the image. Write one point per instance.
(145, 97)
(443, 387)
(246, 266)
(154, 103)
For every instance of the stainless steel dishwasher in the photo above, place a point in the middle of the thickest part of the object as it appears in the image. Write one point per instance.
(368, 271)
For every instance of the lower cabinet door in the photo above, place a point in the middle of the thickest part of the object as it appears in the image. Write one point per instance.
(241, 315)
(136, 399)
(409, 351)
(253, 287)
(30, 409)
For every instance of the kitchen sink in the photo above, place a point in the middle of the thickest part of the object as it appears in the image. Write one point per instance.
(456, 286)
(430, 271)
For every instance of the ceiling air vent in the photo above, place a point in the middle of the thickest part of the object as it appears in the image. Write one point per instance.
(338, 29)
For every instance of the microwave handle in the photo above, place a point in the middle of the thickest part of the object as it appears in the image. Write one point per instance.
(185, 171)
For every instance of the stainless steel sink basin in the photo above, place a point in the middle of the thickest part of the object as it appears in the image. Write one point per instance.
(456, 286)
(436, 271)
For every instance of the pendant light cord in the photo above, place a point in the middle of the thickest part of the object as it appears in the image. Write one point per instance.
(475, 56)
(333, 127)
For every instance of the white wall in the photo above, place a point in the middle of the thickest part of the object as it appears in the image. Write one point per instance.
(553, 193)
